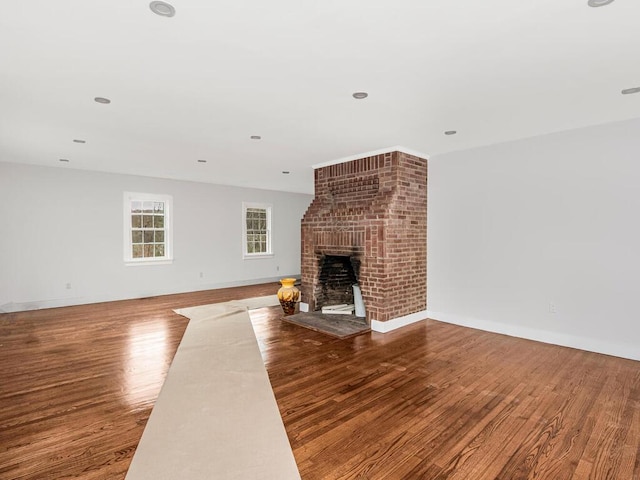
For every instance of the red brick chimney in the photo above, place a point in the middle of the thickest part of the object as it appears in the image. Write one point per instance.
(374, 211)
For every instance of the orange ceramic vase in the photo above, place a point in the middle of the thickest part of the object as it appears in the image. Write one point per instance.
(288, 295)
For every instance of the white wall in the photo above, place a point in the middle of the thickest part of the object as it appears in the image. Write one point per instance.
(513, 228)
(64, 226)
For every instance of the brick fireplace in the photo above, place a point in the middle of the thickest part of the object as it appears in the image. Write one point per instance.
(370, 213)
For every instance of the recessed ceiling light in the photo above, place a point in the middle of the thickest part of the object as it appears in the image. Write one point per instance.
(77, 140)
(599, 3)
(102, 100)
(255, 137)
(163, 9)
(66, 160)
(202, 161)
(450, 132)
(286, 172)
(628, 91)
(360, 95)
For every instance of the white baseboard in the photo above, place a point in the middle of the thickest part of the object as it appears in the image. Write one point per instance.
(395, 323)
(631, 352)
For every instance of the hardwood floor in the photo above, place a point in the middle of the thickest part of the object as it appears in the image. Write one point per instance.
(77, 384)
(430, 401)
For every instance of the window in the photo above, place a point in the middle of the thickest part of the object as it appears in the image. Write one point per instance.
(147, 228)
(256, 225)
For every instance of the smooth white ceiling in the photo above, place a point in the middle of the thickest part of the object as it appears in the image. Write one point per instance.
(198, 85)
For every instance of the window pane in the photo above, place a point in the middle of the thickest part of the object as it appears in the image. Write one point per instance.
(148, 232)
(256, 221)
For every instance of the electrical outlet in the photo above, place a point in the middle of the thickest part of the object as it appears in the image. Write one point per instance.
(552, 308)
(201, 274)
(68, 286)
(278, 268)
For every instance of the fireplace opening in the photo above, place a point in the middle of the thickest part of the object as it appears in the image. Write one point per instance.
(337, 276)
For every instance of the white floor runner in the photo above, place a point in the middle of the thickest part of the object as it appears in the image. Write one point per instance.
(216, 416)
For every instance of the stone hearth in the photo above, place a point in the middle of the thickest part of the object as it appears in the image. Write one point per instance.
(373, 211)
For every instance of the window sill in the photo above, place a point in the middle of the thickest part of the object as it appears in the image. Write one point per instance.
(257, 256)
(139, 263)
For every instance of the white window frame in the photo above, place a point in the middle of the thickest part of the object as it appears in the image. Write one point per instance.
(264, 206)
(130, 197)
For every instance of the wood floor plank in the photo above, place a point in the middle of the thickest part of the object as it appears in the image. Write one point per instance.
(430, 401)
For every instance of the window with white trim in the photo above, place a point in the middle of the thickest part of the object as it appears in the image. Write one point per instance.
(256, 230)
(147, 228)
